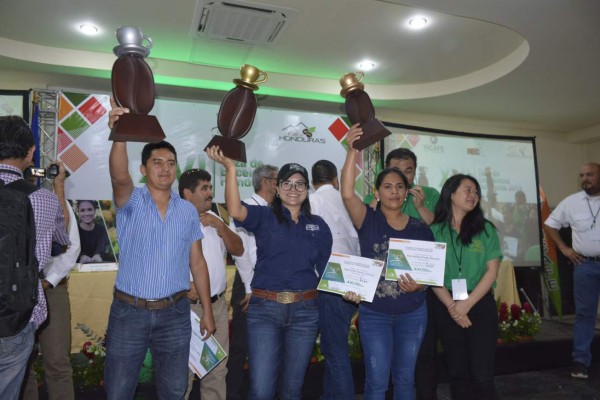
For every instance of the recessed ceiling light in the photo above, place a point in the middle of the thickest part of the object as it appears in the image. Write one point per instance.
(88, 29)
(366, 65)
(417, 22)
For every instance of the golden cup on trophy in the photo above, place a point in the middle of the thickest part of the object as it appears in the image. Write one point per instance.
(359, 109)
(237, 112)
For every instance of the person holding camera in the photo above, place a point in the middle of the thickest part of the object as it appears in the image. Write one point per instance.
(54, 336)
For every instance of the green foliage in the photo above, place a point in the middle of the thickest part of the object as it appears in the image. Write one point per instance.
(515, 322)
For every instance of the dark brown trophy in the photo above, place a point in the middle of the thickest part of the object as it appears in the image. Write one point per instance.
(237, 112)
(359, 109)
(133, 88)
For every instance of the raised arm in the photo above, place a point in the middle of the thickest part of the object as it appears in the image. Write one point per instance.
(355, 207)
(118, 162)
(235, 208)
(59, 191)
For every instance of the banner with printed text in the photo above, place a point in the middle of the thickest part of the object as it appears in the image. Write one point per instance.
(277, 137)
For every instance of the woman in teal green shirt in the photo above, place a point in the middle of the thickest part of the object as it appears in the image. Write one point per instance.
(466, 315)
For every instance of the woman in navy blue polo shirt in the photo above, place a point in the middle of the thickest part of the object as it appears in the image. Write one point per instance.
(393, 325)
(292, 249)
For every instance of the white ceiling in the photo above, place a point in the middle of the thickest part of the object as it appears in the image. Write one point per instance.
(532, 62)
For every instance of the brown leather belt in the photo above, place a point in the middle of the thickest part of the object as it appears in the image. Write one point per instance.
(285, 297)
(150, 304)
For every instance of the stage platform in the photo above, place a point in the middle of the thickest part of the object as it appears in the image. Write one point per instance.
(538, 369)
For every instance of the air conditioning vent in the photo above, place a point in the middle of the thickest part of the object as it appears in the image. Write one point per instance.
(240, 21)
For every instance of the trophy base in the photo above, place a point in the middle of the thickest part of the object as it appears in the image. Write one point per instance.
(231, 148)
(137, 128)
(373, 132)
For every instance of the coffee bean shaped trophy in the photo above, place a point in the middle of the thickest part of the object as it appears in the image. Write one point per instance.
(359, 109)
(236, 114)
(133, 88)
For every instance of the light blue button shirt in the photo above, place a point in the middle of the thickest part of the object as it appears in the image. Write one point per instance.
(154, 254)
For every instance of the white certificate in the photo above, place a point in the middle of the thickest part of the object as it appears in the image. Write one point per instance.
(424, 261)
(204, 355)
(345, 273)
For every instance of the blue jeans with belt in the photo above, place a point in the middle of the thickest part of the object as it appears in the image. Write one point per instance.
(586, 284)
(335, 315)
(391, 343)
(131, 331)
(281, 338)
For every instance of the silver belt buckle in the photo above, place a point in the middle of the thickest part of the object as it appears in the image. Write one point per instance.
(285, 297)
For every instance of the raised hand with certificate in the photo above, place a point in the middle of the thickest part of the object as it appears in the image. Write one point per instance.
(345, 273)
(424, 261)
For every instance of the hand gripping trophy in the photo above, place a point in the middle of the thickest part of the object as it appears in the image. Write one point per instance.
(359, 109)
(237, 112)
(133, 88)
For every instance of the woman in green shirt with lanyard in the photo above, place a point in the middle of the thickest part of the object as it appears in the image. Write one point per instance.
(466, 315)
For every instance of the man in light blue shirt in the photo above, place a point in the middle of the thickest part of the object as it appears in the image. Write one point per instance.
(159, 244)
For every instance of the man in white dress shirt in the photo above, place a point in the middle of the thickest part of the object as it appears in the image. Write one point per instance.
(195, 186)
(335, 314)
(581, 212)
(264, 181)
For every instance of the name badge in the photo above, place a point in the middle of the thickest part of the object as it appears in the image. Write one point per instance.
(459, 289)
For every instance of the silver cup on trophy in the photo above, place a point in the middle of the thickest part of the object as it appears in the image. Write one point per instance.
(133, 88)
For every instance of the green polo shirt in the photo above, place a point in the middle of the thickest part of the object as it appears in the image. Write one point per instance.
(431, 199)
(473, 258)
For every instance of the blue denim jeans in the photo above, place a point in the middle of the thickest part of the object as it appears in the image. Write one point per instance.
(281, 338)
(131, 331)
(335, 315)
(14, 354)
(391, 343)
(586, 285)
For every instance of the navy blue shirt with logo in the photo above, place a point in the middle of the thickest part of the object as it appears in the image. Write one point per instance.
(374, 236)
(289, 255)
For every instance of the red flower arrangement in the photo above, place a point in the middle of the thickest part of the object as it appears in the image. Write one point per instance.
(516, 322)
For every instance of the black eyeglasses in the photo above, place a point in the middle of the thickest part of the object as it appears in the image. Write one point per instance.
(299, 186)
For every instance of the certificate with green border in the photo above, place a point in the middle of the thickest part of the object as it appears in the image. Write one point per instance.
(424, 261)
(204, 355)
(346, 273)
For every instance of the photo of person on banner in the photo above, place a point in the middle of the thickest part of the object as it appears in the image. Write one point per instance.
(95, 244)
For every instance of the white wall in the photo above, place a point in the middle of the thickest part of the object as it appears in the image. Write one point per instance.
(558, 157)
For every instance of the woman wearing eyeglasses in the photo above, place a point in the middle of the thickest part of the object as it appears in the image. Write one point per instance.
(293, 247)
(393, 325)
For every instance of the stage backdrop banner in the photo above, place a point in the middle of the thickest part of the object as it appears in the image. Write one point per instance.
(277, 137)
(504, 166)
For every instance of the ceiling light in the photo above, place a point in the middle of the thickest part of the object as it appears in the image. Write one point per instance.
(366, 65)
(417, 22)
(88, 29)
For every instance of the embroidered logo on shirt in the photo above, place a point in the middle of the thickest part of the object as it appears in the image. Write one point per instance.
(312, 227)
(476, 246)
